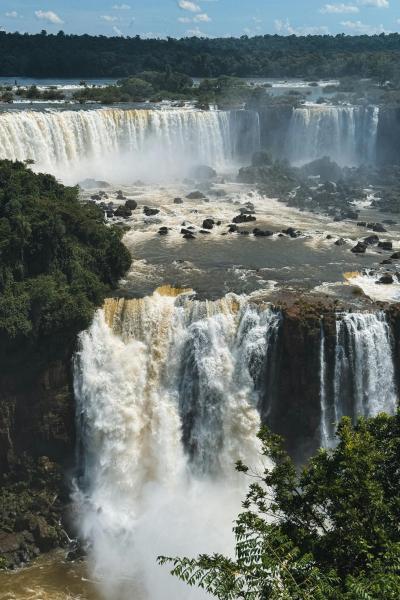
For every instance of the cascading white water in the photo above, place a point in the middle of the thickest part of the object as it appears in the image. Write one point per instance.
(364, 381)
(166, 390)
(347, 134)
(121, 145)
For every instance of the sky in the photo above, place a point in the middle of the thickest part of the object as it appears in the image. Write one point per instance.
(208, 18)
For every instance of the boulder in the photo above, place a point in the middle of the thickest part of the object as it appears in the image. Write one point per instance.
(360, 248)
(120, 195)
(150, 212)
(189, 236)
(178, 201)
(291, 232)
(208, 223)
(386, 279)
(385, 245)
(233, 228)
(203, 173)
(131, 204)
(123, 211)
(204, 231)
(244, 219)
(195, 196)
(260, 233)
(340, 242)
(361, 224)
(91, 184)
(395, 256)
(371, 240)
(163, 231)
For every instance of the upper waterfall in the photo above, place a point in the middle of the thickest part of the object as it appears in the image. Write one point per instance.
(124, 144)
(347, 134)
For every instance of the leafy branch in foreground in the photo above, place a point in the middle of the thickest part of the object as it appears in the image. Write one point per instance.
(330, 532)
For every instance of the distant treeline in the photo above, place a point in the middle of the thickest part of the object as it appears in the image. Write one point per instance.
(310, 57)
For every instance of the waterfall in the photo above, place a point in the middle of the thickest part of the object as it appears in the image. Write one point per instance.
(364, 381)
(124, 144)
(167, 391)
(347, 134)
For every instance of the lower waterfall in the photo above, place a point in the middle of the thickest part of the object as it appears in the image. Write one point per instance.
(124, 144)
(167, 392)
(347, 134)
(363, 377)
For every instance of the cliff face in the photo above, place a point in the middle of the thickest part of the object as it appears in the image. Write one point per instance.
(274, 127)
(36, 415)
(387, 145)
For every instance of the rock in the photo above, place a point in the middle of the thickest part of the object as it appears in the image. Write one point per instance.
(189, 236)
(96, 197)
(195, 196)
(387, 261)
(261, 159)
(244, 232)
(120, 195)
(329, 237)
(385, 245)
(360, 248)
(246, 211)
(163, 231)
(371, 240)
(90, 184)
(150, 212)
(203, 173)
(361, 224)
(233, 228)
(204, 231)
(244, 219)
(386, 279)
(291, 232)
(395, 256)
(208, 223)
(340, 242)
(379, 228)
(178, 201)
(260, 233)
(109, 214)
(350, 214)
(131, 204)
(123, 212)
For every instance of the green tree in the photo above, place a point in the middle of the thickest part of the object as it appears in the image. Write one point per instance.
(330, 532)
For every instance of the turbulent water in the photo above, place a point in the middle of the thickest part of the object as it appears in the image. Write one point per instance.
(347, 134)
(363, 379)
(168, 398)
(121, 144)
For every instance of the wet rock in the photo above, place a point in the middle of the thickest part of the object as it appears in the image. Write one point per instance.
(244, 219)
(203, 173)
(378, 227)
(361, 224)
(189, 236)
(233, 228)
(359, 248)
(123, 211)
(340, 242)
(150, 212)
(185, 231)
(208, 223)
(120, 195)
(329, 237)
(387, 261)
(178, 201)
(350, 214)
(195, 196)
(386, 279)
(244, 232)
(163, 231)
(109, 214)
(385, 245)
(131, 204)
(371, 240)
(204, 231)
(262, 233)
(90, 184)
(395, 256)
(291, 232)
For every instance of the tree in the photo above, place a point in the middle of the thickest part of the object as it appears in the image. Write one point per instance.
(330, 532)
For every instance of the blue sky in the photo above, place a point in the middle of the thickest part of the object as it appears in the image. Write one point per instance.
(214, 18)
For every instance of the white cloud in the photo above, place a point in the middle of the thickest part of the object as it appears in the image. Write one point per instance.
(117, 31)
(190, 6)
(121, 7)
(202, 18)
(285, 28)
(109, 18)
(376, 3)
(359, 28)
(195, 33)
(49, 16)
(185, 20)
(12, 14)
(336, 9)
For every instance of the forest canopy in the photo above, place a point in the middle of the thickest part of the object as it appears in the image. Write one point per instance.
(61, 55)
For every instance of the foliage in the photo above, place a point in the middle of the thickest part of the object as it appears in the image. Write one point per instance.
(312, 57)
(330, 532)
(58, 259)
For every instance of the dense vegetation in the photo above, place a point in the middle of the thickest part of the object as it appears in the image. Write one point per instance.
(57, 261)
(61, 55)
(328, 533)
